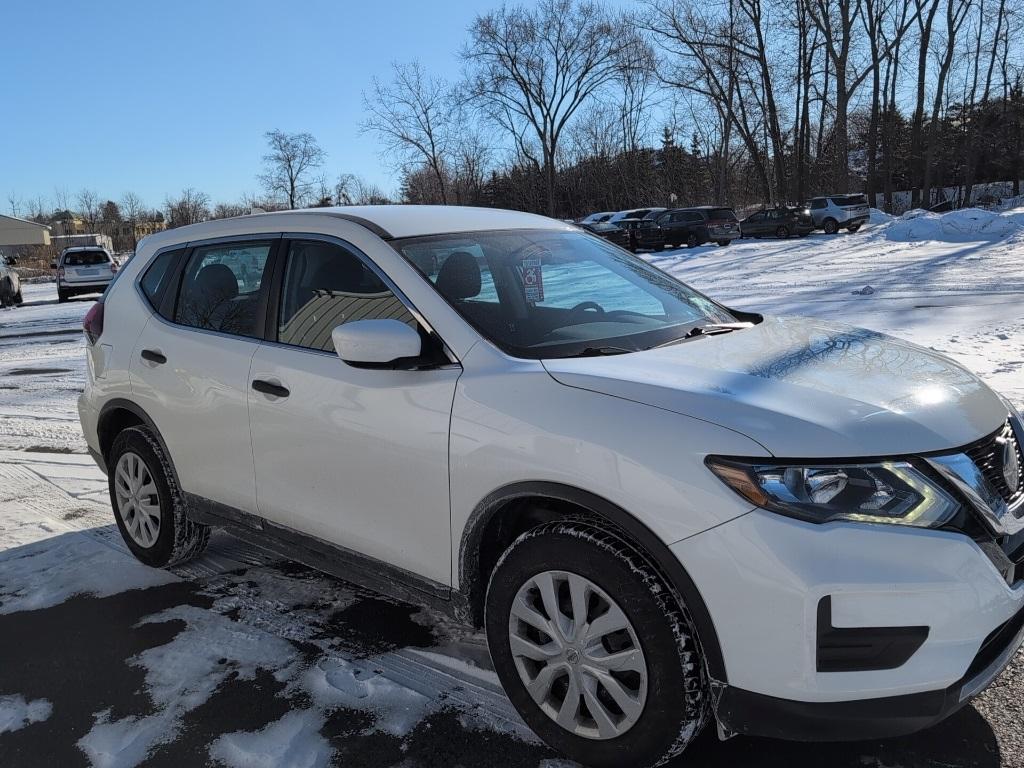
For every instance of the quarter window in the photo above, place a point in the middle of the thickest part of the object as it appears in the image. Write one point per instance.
(156, 276)
(325, 286)
(223, 288)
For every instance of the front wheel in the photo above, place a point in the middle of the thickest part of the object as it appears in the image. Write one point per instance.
(593, 650)
(831, 226)
(782, 233)
(148, 505)
(62, 296)
(691, 241)
(18, 300)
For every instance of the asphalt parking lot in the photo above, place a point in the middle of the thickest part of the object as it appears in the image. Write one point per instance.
(243, 659)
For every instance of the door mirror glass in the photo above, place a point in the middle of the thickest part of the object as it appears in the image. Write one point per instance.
(376, 342)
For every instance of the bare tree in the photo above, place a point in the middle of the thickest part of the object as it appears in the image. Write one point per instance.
(289, 165)
(90, 208)
(531, 69)
(413, 115)
(190, 207)
(14, 202)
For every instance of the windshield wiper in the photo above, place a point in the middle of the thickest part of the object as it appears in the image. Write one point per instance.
(600, 351)
(711, 329)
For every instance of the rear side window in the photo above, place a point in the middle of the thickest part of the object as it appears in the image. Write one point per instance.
(722, 213)
(848, 200)
(154, 280)
(85, 258)
(223, 288)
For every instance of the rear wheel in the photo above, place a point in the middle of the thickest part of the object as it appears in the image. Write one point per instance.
(782, 232)
(723, 243)
(691, 240)
(148, 505)
(831, 226)
(592, 649)
(62, 296)
(853, 229)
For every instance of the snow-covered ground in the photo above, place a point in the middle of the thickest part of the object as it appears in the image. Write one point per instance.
(241, 660)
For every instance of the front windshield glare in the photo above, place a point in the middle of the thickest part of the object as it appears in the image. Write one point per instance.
(547, 293)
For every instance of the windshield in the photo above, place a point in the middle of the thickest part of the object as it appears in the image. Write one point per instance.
(547, 293)
(85, 258)
(726, 214)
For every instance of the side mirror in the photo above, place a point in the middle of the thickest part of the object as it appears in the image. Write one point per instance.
(376, 342)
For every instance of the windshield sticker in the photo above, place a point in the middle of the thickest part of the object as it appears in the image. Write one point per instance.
(533, 279)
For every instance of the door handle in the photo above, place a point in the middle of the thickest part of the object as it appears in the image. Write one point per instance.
(269, 388)
(153, 356)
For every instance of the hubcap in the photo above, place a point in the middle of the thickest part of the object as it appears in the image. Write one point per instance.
(137, 501)
(578, 655)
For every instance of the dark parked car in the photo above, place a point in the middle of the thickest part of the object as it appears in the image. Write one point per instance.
(696, 226)
(611, 232)
(778, 222)
(644, 233)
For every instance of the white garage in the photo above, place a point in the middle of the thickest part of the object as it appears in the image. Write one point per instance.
(14, 231)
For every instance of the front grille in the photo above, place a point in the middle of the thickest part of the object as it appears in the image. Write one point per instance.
(988, 457)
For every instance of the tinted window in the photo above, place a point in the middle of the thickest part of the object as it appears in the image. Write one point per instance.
(818, 203)
(722, 213)
(154, 280)
(848, 200)
(223, 286)
(85, 258)
(541, 293)
(326, 286)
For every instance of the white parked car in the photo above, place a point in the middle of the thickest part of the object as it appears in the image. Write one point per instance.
(837, 212)
(663, 511)
(10, 283)
(83, 269)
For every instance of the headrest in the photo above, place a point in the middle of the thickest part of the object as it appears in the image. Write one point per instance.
(217, 282)
(459, 277)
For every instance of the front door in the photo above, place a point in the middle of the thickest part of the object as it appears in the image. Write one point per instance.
(357, 457)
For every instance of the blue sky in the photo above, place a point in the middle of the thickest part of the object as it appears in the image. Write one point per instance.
(153, 97)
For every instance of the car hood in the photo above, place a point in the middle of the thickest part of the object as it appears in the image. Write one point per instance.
(804, 388)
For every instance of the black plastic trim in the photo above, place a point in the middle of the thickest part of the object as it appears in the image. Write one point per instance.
(663, 559)
(378, 230)
(330, 558)
(860, 649)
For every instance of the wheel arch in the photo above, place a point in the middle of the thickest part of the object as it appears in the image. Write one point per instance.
(511, 510)
(117, 415)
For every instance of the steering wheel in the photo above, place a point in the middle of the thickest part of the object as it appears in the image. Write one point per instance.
(583, 306)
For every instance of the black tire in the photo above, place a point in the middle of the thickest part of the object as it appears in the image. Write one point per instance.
(62, 296)
(18, 300)
(782, 232)
(179, 538)
(723, 243)
(853, 229)
(831, 226)
(677, 702)
(660, 247)
(691, 241)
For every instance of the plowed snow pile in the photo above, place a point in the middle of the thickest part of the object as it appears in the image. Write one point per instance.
(967, 225)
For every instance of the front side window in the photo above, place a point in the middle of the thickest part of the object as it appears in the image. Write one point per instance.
(547, 294)
(818, 203)
(157, 275)
(325, 286)
(223, 286)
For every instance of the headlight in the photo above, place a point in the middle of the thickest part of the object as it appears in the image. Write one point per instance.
(893, 492)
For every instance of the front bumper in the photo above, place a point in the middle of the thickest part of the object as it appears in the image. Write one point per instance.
(763, 578)
(752, 714)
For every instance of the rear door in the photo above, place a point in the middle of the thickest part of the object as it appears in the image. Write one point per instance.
(190, 367)
(87, 267)
(354, 456)
(754, 224)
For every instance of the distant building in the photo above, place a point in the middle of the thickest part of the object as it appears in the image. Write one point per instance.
(15, 231)
(69, 226)
(127, 231)
(71, 241)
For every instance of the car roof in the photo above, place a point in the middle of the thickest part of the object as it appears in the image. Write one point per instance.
(80, 248)
(386, 221)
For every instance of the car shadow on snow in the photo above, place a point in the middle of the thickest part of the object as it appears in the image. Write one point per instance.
(245, 642)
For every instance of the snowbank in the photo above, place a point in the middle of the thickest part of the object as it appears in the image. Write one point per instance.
(16, 712)
(967, 224)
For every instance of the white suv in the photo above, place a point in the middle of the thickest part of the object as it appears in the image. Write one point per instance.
(840, 211)
(10, 283)
(663, 511)
(83, 269)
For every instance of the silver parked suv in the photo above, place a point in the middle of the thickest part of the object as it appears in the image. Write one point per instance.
(837, 212)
